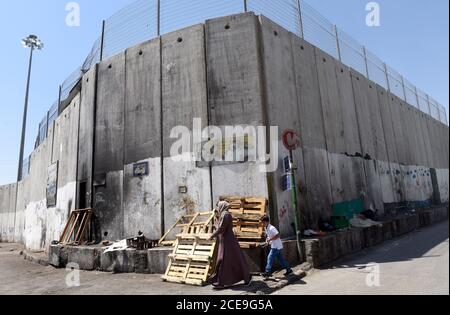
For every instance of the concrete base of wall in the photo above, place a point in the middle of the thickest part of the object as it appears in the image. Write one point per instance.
(153, 261)
(322, 251)
(317, 251)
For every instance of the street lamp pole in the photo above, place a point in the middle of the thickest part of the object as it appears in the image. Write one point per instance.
(33, 43)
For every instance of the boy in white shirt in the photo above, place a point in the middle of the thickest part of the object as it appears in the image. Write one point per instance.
(274, 240)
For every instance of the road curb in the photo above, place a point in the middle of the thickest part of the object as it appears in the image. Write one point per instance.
(37, 258)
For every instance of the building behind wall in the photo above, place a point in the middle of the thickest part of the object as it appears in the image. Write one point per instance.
(358, 141)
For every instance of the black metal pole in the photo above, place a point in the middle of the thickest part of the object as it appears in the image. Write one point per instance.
(24, 122)
(245, 6)
(158, 18)
(102, 40)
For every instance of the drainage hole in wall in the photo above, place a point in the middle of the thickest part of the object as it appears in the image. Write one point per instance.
(140, 52)
(179, 39)
(227, 27)
(275, 33)
(105, 234)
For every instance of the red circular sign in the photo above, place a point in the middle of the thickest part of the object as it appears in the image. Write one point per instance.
(291, 139)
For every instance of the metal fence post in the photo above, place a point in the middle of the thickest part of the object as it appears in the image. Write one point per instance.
(59, 99)
(417, 97)
(387, 77)
(429, 105)
(102, 44)
(300, 18)
(404, 89)
(158, 17)
(338, 46)
(245, 6)
(366, 62)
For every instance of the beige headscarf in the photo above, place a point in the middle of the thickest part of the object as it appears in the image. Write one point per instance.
(222, 206)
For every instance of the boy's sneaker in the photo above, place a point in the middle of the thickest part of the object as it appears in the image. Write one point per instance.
(289, 272)
(266, 275)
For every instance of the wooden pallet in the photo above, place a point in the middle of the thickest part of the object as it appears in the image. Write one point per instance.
(77, 228)
(247, 213)
(192, 259)
(200, 222)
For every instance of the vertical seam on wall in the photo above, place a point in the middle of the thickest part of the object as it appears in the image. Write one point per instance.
(122, 204)
(327, 152)
(161, 134)
(208, 110)
(366, 187)
(389, 158)
(291, 37)
(263, 95)
(94, 127)
(77, 198)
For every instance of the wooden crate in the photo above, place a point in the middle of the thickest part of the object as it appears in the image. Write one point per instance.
(247, 213)
(192, 260)
(196, 223)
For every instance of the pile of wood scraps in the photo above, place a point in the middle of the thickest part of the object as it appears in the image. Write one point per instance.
(197, 223)
(247, 213)
(77, 229)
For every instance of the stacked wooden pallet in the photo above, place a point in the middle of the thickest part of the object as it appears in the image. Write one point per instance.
(192, 259)
(193, 255)
(247, 213)
(196, 223)
(77, 228)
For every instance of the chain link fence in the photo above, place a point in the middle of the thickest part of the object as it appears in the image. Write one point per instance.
(146, 19)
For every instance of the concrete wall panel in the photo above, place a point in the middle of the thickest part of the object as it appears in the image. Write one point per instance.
(347, 107)
(317, 185)
(143, 102)
(109, 128)
(234, 81)
(347, 178)
(400, 135)
(312, 132)
(142, 201)
(184, 99)
(108, 205)
(35, 215)
(329, 92)
(374, 191)
(235, 96)
(65, 153)
(387, 123)
(443, 183)
(179, 175)
(86, 132)
(282, 111)
(370, 124)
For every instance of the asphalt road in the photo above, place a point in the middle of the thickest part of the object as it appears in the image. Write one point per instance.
(415, 264)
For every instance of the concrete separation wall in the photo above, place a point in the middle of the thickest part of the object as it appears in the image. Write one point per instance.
(358, 141)
(235, 96)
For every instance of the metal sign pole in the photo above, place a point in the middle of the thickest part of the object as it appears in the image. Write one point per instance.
(297, 220)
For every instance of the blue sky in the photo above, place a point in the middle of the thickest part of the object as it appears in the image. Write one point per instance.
(413, 39)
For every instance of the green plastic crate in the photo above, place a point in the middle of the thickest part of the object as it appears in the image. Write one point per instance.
(348, 209)
(340, 222)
